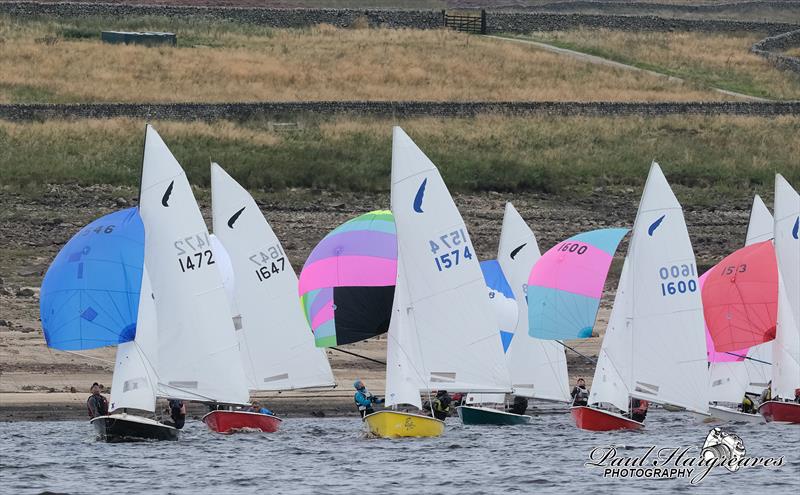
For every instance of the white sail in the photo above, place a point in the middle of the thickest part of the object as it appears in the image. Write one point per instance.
(611, 383)
(786, 346)
(134, 383)
(198, 355)
(655, 341)
(404, 378)
(277, 348)
(538, 367)
(761, 224)
(447, 308)
(730, 380)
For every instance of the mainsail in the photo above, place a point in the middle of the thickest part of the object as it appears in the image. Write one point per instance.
(538, 367)
(276, 348)
(654, 347)
(198, 355)
(786, 347)
(445, 333)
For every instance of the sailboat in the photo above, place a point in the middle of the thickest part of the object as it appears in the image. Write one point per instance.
(538, 367)
(275, 347)
(99, 276)
(784, 407)
(442, 334)
(185, 344)
(744, 308)
(654, 346)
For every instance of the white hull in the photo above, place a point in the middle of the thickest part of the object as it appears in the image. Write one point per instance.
(727, 415)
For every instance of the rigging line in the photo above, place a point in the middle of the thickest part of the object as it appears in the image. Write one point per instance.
(106, 361)
(593, 361)
(358, 355)
(748, 357)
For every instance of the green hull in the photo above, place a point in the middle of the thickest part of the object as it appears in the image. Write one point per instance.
(485, 416)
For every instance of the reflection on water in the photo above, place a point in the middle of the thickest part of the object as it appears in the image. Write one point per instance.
(311, 455)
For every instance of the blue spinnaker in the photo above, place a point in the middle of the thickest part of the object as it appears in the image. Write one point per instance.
(90, 294)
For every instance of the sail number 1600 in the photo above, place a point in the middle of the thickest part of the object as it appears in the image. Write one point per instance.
(677, 279)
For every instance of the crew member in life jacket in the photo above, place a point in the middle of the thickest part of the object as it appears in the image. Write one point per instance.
(177, 412)
(96, 403)
(580, 394)
(639, 409)
(747, 404)
(442, 405)
(766, 395)
(364, 399)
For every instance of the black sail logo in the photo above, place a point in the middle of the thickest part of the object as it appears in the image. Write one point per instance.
(234, 217)
(517, 250)
(167, 194)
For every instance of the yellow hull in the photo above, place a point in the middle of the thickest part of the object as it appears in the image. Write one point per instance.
(394, 424)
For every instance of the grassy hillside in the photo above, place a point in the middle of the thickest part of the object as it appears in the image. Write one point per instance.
(717, 60)
(64, 61)
(565, 155)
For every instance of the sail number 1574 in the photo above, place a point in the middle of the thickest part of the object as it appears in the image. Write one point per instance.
(449, 249)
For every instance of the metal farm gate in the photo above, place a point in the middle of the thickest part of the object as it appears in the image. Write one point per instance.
(468, 23)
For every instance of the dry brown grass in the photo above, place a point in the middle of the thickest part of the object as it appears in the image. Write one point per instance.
(323, 63)
(793, 52)
(719, 60)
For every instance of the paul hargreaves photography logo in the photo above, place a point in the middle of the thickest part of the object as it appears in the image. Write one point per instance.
(720, 449)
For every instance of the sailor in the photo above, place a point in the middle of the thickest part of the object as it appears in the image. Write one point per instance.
(364, 399)
(519, 406)
(747, 405)
(580, 394)
(177, 411)
(639, 409)
(766, 395)
(258, 408)
(442, 405)
(96, 403)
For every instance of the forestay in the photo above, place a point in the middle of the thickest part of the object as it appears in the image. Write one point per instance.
(538, 367)
(276, 347)
(198, 356)
(786, 347)
(443, 299)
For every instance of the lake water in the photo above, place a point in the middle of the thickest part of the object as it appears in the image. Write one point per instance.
(310, 455)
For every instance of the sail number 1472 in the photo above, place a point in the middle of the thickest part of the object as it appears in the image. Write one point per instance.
(677, 279)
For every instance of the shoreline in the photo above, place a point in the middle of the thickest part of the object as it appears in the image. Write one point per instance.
(18, 407)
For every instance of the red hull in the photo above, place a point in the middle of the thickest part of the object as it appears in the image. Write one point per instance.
(589, 418)
(780, 412)
(241, 421)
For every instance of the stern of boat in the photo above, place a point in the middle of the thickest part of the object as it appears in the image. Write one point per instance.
(593, 419)
(395, 424)
(780, 412)
(241, 422)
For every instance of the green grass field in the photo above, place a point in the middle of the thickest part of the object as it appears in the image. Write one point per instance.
(542, 154)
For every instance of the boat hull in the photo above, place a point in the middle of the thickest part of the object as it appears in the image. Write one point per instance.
(780, 412)
(722, 413)
(471, 415)
(592, 419)
(124, 427)
(241, 421)
(394, 424)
